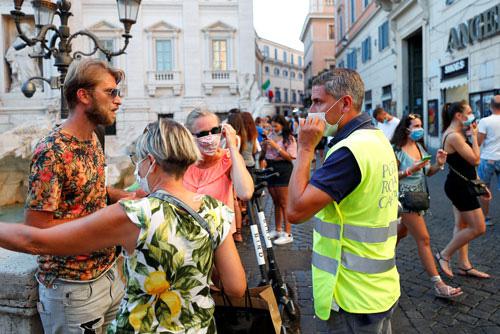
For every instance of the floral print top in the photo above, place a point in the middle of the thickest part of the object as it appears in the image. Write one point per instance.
(168, 275)
(67, 178)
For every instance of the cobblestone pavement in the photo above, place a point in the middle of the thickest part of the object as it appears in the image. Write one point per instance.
(476, 311)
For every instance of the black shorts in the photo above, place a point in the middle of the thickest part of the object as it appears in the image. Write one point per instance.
(285, 168)
(456, 191)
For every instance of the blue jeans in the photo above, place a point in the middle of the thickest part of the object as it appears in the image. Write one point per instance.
(81, 307)
(486, 170)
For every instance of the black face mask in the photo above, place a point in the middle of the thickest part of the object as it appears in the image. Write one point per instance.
(496, 105)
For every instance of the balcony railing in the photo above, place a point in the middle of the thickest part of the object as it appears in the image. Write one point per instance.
(168, 79)
(222, 79)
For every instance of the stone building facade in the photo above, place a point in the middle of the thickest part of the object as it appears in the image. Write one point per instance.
(283, 67)
(415, 56)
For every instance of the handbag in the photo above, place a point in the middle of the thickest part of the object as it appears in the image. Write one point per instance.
(256, 312)
(474, 187)
(415, 201)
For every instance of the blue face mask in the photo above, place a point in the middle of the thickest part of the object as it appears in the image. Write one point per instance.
(416, 134)
(470, 118)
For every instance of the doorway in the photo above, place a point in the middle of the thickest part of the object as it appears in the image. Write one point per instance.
(415, 73)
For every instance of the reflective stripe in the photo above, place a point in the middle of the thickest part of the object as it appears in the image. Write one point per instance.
(364, 265)
(357, 233)
(328, 230)
(371, 234)
(325, 263)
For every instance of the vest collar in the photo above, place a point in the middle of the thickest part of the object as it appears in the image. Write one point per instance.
(362, 121)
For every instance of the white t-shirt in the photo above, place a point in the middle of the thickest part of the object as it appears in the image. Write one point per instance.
(490, 126)
(389, 127)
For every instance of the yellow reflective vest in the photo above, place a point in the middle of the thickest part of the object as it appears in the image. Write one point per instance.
(353, 260)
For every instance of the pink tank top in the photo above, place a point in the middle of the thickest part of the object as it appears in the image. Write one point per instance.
(214, 181)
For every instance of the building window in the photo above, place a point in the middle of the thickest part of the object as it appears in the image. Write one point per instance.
(366, 3)
(285, 57)
(353, 11)
(366, 50)
(329, 2)
(168, 116)
(341, 24)
(285, 73)
(383, 36)
(294, 96)
(219, 55)
(341, 64)
(351, 60)
(163, 55)
(300, 61)
(387, 97)
(266, 70)
(292, 75)
(275, 54)
(285, 91)
(276, 72)
(300, 76)
(291, 59)
(368, 101)
(277, 95)
(266, 51)
(331, 32)
(109, 44)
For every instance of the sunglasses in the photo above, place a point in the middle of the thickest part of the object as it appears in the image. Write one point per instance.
(114, 92)
(213, 131)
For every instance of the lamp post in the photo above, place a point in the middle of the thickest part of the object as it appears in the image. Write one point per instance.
(59, 45)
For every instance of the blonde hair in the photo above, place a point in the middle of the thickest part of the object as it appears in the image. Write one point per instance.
(171, 144)
(86, 73)
(198, 113)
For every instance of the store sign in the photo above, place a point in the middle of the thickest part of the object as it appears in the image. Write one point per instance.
(454, 69)
(480, 27)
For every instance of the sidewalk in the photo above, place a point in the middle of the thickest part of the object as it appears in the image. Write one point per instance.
(476, 311)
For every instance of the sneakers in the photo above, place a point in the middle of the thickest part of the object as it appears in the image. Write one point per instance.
(285, 238)
(275, 234)
(488, 221)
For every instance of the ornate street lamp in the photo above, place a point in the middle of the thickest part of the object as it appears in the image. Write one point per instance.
(44, 11)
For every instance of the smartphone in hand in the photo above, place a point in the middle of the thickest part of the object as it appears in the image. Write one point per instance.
(426, 158)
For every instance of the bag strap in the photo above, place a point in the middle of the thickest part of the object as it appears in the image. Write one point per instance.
(164, 196)
(444, 139)
(458, 173)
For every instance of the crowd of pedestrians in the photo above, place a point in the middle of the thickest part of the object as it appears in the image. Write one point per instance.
(177, 231)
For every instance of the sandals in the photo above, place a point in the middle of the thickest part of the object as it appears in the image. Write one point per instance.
(447, 292)
(237, 235)
(475, 274)
(446, 270)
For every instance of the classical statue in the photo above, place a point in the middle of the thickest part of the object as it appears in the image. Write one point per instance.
(22, 66)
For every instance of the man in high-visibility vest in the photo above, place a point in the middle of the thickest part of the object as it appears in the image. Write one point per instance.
(354, 197)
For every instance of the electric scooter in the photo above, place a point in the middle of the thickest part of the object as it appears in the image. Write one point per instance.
(288, 308)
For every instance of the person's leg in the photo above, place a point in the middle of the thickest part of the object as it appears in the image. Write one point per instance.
(460, 224)
(475, 227)
(402, 231)
(418, 230)
(283, 198)
(76, 307)
(277, 210)
(116, 291)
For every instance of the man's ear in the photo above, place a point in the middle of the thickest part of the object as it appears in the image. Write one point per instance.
(347, 103)
(84, 96)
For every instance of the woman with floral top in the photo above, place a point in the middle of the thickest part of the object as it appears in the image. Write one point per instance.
(169, 255)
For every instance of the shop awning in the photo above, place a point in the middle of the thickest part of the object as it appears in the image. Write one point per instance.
(455, 82)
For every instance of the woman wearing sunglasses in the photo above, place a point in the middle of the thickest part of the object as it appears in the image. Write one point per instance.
(414, 167)
(221, 172)
(168, 253)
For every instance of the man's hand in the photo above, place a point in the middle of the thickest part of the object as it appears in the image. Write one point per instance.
(310, 133)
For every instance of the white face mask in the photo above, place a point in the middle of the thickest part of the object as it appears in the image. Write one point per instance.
(330, 130)
(208, 144)
(143, 181)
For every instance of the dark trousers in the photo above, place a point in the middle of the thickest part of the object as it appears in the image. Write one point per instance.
(349, 323)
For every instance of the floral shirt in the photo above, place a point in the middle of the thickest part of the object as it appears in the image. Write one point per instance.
(168, 275)
(67, 178)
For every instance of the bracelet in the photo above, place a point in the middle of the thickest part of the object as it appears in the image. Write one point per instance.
(408, 172)
(441, 167)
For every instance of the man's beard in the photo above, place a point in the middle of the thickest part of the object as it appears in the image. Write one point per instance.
(98, 115)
